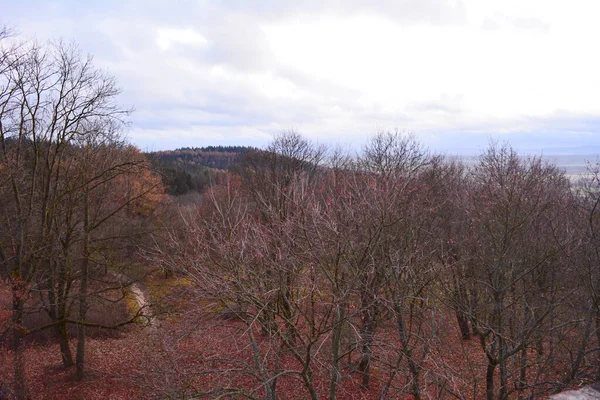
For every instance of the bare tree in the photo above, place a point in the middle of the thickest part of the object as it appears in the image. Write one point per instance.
(245, 250)
(392, 164)
(61, 154)
(519, 229)
(588, 273)
(320, 259)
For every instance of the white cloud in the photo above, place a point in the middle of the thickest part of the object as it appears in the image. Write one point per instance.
(501, 74)
(167, 37)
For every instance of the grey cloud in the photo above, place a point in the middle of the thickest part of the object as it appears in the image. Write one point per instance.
(238, 41)
(174, 92)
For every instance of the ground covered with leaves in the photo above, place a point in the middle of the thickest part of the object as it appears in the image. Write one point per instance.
(186, 353)
(181, 356)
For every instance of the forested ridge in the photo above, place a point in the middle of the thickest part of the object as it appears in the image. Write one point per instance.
(300, 271)
(193, 169)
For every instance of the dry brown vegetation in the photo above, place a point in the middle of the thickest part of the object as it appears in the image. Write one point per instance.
(397, 271)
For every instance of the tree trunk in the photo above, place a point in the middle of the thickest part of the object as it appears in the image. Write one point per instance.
(336, 343)
(502, 395)
(367, 331)
(63, 340)
(285, 305)
(80, 357)
(309, 383)
(57, 312)
(523, 373)
(407, 351)
(598, 341)
(270, 391)
(489, 381)
(366, 348)
(462, 298)
(582, 349)
(463, 324)
(20, 387)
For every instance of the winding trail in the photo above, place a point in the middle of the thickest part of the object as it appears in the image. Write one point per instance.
(142, 298)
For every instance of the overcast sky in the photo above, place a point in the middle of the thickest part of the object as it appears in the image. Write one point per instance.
(454, 72)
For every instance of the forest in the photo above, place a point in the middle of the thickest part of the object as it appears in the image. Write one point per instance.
(186, 170)
(301, 271)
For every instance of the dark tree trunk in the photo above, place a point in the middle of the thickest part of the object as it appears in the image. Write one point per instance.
(63, 340)
(404, 336)
(463, 324)
(489, 381)
(336, 343)
(367, 333)
(581, 350)
(598, 341)
(462, 297)
(20, 387)
(80, 357)
(57, 312)
(523, 373)
(287, 313)
(309, 383)
(502, 392)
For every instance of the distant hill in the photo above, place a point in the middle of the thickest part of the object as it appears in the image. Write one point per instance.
(194, 168)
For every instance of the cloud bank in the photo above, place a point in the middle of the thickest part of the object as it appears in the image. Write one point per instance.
(456, 73)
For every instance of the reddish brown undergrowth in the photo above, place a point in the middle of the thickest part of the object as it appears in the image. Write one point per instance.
(188, 354)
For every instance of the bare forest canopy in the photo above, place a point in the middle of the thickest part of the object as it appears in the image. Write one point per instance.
(382, 259)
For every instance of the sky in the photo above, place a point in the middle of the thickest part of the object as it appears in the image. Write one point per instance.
(455, 73)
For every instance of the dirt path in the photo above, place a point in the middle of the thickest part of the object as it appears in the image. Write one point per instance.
(143, 301)
(142, 298)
